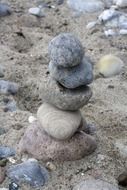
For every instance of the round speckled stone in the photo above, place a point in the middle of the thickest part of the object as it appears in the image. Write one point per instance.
(65, 50)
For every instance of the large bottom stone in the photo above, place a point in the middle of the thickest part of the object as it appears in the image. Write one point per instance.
(63, 98)
(38, 144)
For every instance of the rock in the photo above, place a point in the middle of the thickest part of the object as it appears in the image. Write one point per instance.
(65, 50)
(10, 106)
(4, 9)
(7, 87)
(120, 3)
(63, 98)
(122, 179)
(2, 174)
(13, 186)
(59, 2)
(6, 152)
(28, 172)
(37, 143)
(57, 123)
(37, 11)
(74, 77)
(92, 184)
(87, 6)
(110, 65)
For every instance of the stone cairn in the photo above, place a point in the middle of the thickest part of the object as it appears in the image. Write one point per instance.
(58, 134)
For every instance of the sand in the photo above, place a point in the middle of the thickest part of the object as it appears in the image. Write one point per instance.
(23, 52)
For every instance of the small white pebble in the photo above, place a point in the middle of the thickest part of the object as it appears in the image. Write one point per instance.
(12, 160)
(123, 31)
(53, 7)
(31, 119)
(37, 11)
(91, 25)
(50, 166)
(110, 32)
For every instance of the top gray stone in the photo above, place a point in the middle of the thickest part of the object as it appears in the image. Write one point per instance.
(65, 50)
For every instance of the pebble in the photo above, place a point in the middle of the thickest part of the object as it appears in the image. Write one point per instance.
(63, 98)
(86, 6)
(57, 123)
(40, 145)
(37, 11)
(31, 119)
(6, 152)
(110, 65)
(10, 106)
(2, 174)
(110, 32)
(121, 3)
(93, 184)
(28, 172)
(122, 179)
(65, 50)
(74, 77)
(13, 186)
(90, 25)
(50, 166)
(4, 9)
(60, 2)
(7, 87)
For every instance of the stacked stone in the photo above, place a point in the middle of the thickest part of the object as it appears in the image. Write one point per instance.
(65, 92)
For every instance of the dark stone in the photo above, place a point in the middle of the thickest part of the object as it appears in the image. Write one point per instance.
(6, 152)
(73, 77)
(28, 172)
(4, 9)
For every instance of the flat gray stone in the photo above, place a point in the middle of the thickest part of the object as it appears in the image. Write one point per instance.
(93, 184)
(43, 147)
(65, 50)
(73, 77)
(63, 98)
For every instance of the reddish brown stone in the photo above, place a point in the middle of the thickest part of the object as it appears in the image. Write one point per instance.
(38, 144)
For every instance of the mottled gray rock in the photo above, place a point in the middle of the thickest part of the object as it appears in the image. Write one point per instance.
(65, 50)
(37, 143)
(4, 9)
(72, 77)
(93, 184)
(10, 105)
(63, 98)
(58, 123)
(6, 152)
(28, 172)
(7, 87)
